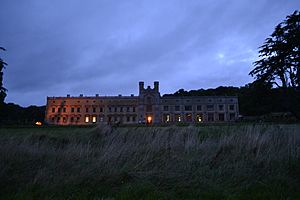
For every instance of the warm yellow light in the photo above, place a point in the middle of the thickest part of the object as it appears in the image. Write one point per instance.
(38, 123)
(87, 119)
(94, 119)
(149, 119)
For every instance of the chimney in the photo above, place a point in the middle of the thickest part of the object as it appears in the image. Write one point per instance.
(81, 95)
(156, 85)
(68, 95)
(141, 86)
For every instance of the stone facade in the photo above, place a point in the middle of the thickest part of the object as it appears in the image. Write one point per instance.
(148, 107)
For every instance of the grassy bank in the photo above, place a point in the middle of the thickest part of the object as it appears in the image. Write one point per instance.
(211, 162)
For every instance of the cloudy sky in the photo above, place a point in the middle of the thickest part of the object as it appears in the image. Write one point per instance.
(60, 47)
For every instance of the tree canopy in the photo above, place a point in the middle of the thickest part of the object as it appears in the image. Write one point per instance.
(2, 89)
(279, 62)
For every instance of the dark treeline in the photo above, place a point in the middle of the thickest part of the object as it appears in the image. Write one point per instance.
(13, 114)
(255, 99)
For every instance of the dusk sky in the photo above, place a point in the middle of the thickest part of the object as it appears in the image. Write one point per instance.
(106, 47)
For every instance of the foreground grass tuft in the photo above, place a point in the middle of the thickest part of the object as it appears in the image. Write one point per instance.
(204, 162)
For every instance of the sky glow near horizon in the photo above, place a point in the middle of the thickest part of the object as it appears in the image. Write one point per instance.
(106, 47)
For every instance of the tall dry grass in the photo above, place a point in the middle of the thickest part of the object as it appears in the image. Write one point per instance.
(231, 157)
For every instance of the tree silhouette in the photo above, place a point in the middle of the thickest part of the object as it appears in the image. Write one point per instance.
(2, 89)
(280, 55)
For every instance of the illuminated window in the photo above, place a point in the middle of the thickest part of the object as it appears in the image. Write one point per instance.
(199, 118)
(94, 119)
(149, 120)
(178, 118)
(168, 118)
(87, 119)
(53, 110)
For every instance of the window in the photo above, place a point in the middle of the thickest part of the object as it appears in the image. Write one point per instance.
(210, 107)
(221, 107)
(78, 118)
(188, 108)
(221, 117)
(58, 119)
(72, 119)
(128, 109)
(232, 116)
(87, 119)
(177, 108)
(53, 110)
(199, 107)
(128, 118)
(188, 117)
(199, 118)
(53, 118)
(101, 119)
(59, 109)
(133, 109)
(210, 117)
(64, 110)
(94, 119)
(72, 110)
(64, 119)
(133, 118)
(94, 109)
(109, 109)
(87, 110)
(149, 108)
(121, 109)
(166, 108)
(101, 109)
(231, 107)
(78, 109)
(178, 118)
(166, 118)
(116, 109)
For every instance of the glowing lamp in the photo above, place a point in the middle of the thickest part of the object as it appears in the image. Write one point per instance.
(38, 123)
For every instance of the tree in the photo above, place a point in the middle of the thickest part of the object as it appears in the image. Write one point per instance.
(2, 89)
(280, 55)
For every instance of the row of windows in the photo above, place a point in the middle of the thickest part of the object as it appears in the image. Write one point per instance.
(209, 107)
(94, 119)
(94, 109)
(198, 117)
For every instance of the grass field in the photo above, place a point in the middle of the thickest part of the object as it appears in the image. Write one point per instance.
(188, 162)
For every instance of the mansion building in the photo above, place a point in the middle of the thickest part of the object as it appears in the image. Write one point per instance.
(148, 107)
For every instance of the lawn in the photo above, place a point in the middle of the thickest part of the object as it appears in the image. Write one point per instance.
(241, 161)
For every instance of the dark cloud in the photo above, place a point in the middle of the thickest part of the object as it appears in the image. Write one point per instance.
(70, 47)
